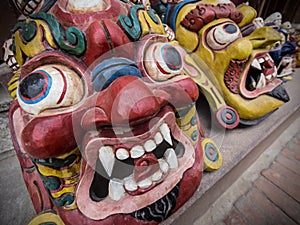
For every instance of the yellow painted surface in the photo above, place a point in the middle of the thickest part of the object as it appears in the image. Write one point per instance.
(208, 164)
(36, 45)
(46, 218)
(148, 26)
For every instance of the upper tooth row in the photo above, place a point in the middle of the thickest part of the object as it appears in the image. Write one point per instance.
(107, 156)
(117, 187)
(256, 62)
(139, 150)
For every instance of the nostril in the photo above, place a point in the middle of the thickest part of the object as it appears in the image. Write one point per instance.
(93, 118)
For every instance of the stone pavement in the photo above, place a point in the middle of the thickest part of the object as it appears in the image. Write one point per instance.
(274, 198)
(268, 192)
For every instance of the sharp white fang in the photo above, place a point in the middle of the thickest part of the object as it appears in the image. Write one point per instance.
(269, 77)
(261, 82)
(28, 9)
(158, 138)
(261, 60)
(122, 154)
(107, 158)
(137, 151)
(156, 176)
(256, 64)
(149, 146)
(163, 165)
(130, 184)
(116, 189)
(32, 4)
(171, 158)
(165, 131)
(14, 60)
(145, 183)
(267, 58)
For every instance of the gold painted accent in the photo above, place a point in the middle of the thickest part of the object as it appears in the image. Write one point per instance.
(36, 45)
(249, 14)
(13, 84)
(47, 217)
(212, 94)
(70, 176)
(185, 123)
(287, 78)
(148, 26)
(64, 173)
(208, 164)
(68, 172)
(58, 194)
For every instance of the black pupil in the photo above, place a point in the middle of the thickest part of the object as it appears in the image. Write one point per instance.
(230, 28)
(32, 85)
(173, 58)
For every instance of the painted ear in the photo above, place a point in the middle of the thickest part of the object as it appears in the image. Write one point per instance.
(111, 69)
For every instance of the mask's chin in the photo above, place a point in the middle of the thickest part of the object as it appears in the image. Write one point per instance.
(125, 174)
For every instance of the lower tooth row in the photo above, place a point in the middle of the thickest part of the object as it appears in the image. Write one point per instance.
(117, 187)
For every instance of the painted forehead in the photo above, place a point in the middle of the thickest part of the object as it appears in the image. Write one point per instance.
(204, 14)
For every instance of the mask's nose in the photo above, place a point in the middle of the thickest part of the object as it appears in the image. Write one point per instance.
(264, 37)
(122, 97)
(126, 99)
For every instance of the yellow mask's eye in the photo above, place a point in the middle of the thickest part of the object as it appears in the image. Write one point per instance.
(48, 87)
(163, 61)
(222, 35)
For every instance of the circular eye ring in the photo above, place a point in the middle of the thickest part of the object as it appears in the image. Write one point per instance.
(172, 57)
(35, 87)
(222, 35)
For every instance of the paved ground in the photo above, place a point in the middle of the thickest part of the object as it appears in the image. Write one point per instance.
(268, 192)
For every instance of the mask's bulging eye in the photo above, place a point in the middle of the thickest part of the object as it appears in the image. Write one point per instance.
(48, 87)
(35, 87)
(163, 61)
(222, 35)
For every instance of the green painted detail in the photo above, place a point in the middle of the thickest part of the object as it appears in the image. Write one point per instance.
(72, 40)
(195, 135)
(64, 200)
(131, 24)
(48, 223)
(51, 183)
(28, 30)
(55, 162)
(194, 120)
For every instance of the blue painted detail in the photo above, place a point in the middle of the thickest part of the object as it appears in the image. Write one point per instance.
(171, 57)
(194, 120)
(195, 135)
(49, 85)
(111, 69)
(64, 200)
(233, 116)
(131, 23)
(172, 12)
(212, 157)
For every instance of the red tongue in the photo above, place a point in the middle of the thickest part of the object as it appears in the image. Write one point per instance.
(268, 67)
(145, 167)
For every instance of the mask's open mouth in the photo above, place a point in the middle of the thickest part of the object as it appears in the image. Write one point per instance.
(126, 174)
(138, 169)
(261, 73)
(285, 67)
(254, 77)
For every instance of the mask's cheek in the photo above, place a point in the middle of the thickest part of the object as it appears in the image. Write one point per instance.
(47, 137)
